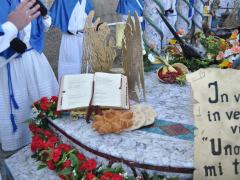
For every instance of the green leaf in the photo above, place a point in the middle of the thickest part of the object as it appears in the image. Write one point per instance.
(119, 169)
(108, 170)
(66, 171)
(63, 159)
(35, 155)
(74, 160)
(41, 166)
(131, 178)
(50, 114)
(145, 175)
(72, 151)
(75, 177)
(173, 178)
(30, 121)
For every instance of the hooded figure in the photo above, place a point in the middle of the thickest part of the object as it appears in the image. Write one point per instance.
(23, 81)
(69, 17)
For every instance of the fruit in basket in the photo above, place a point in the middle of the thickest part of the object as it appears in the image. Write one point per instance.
(170, 73)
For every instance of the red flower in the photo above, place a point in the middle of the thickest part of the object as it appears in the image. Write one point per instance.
(56, 154)
(44, 100)
(33, 147)
(50, 165)
(48, 133)
(52, 141)
(44, 107)
(54, 98)
(80, 157)
(36, 103)
(89, 165)
(65, 147)
(62, 177)
(111, 176)
(89, 176)
(33, 127)
(37, 143)
(67, 164)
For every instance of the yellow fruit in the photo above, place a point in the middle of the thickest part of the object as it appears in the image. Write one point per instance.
(164, 70)
(171, 69)
(181, 67)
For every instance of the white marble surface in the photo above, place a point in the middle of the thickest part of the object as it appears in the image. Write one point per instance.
(172, 103)
(23, 167)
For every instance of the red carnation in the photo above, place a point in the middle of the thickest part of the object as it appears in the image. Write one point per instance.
(44, 107)
(89, 165)
(33, 147)
(54, 98)
(111, 176)
(62, 177)
(36, 103)
(90, 176)
(37, 143)
(67, 164)
(80, 157)
(65, 147)
(50, 165)
(56, 154)
(52, 141)
(44, 100)
(48, 133)
(33, 127)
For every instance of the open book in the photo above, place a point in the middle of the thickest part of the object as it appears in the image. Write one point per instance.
(99, 89)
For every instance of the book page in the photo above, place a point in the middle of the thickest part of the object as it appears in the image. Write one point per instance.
(76, 91)
(107, 91)
(125, 97)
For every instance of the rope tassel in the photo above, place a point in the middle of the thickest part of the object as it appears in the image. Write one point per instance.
(14, 125)
(15, 105)
(12, 100)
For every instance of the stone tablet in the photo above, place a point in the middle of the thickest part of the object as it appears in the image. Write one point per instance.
(216, 94)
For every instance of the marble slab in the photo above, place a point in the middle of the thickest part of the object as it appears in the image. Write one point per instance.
(171, 102)
(22, 167)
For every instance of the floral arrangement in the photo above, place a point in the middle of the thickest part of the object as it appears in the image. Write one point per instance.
(228, 51)
(219, 52)
(46, 107)
(66, 161)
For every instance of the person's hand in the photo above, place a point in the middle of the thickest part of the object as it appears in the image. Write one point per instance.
(24, 14)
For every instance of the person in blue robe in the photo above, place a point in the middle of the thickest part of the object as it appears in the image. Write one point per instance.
(69, 17)
(130, 6)
(24, 80)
